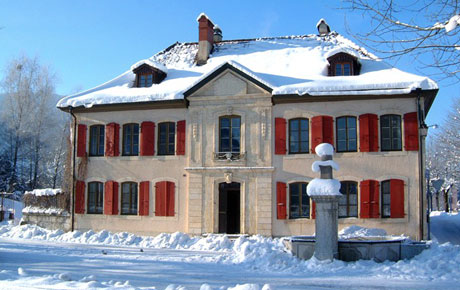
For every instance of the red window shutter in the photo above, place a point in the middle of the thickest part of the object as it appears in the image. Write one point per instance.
(170, 191)
(147, 139)
(368, 133)
(365, 199)
(313, 210)
(397, 198)
(144, 198)
(374, 199)
(281, 200)
(411, 131)
(328, 130)
(180, 138)
(111, 198)
(321, 131)
(80, 197)
(280, 136)
(112, 140)
(160, 198)
(81, 144)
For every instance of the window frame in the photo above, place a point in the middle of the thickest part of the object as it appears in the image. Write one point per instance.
(167, 144)
(132, 185)
(230, 117)
(299, 136)
(348, 203)
(385, 184)
(99, 198)
(391, 128)
(347, 139)
(97, 139)
(342, 65)
(299, 185)
(147, 84)
(131, 143)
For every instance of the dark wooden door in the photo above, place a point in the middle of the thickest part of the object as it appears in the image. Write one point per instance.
(229, 208)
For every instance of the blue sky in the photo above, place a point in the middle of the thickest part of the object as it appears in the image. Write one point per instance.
(90, 42)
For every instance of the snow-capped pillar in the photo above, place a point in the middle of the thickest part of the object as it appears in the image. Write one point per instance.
(325, 192)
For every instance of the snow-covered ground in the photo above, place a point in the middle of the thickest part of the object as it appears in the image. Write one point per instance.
(35, 258)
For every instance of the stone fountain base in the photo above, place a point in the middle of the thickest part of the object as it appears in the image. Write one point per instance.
(377, 249)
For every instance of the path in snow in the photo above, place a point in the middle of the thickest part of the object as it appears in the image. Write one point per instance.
(445, 227)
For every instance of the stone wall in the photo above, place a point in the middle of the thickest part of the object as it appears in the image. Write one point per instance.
(48, 221)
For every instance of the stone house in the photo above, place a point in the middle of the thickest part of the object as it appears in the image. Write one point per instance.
(218, 136)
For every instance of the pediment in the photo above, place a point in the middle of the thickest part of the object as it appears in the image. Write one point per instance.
(228, 83)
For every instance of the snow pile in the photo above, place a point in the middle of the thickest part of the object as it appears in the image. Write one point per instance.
(323, 187)
(255, 253)
(151, 63)
(315, 166)
(44, 192)
(353, 232)
(44, 210)
(324, 149)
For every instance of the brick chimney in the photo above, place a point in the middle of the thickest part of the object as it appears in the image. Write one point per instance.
(206, 38)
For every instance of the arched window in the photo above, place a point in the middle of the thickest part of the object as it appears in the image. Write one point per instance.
(299, 201)
(229, 134)
(96, 140)
(166, 138)
(131, 139)
(346, 134)
(129, 198)
(298, 136)
(348, 202)
(390, 132)
(95, 197)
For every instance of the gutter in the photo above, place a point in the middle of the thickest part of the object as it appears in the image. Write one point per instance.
(72, 199)
(421, 151)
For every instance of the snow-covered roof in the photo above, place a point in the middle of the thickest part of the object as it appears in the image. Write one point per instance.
(287, 65)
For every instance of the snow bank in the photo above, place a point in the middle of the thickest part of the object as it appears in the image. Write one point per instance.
(353, 232)
(45, 191)
(257, 253)
(43, 210)
(320, 186)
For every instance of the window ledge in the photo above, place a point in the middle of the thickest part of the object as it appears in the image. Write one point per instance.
(393, 153)
(299, 220)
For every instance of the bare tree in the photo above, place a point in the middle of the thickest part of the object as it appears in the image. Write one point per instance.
(416, 27)
(26, 112)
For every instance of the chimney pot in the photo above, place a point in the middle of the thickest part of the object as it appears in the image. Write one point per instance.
(323, 27)
(217, 33)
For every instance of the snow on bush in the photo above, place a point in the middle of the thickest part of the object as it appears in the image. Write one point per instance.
(258, 253)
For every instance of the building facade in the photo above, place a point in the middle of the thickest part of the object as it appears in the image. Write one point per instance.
(219, 137)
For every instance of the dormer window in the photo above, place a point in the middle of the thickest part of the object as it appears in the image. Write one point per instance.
(148, 73)
(343, 64)
(144, 80)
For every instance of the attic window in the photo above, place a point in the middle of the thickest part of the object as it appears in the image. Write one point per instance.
(147, 75)
(343, 64)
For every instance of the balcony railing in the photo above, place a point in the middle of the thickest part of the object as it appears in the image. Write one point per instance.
(229, 156)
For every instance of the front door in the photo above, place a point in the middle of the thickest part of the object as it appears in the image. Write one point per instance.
(229, 208)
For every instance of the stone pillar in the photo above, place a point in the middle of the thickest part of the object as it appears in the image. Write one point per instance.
(326, 227)
(325, 192)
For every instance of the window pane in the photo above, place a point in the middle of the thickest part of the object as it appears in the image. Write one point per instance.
(341, 134)
(384, 121)
(353, 211)
(294, 147)
(224, 132)
(342, 211)
(341, 146)
(236, 132)
(225, 145)
(351, 122)
(341, 123)
(352, 145)
(338, 69)
(235, 145)
(346, 69)
(304, 125)
(235, 122)
(294, 125)
(224, 122)
(304, 147)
